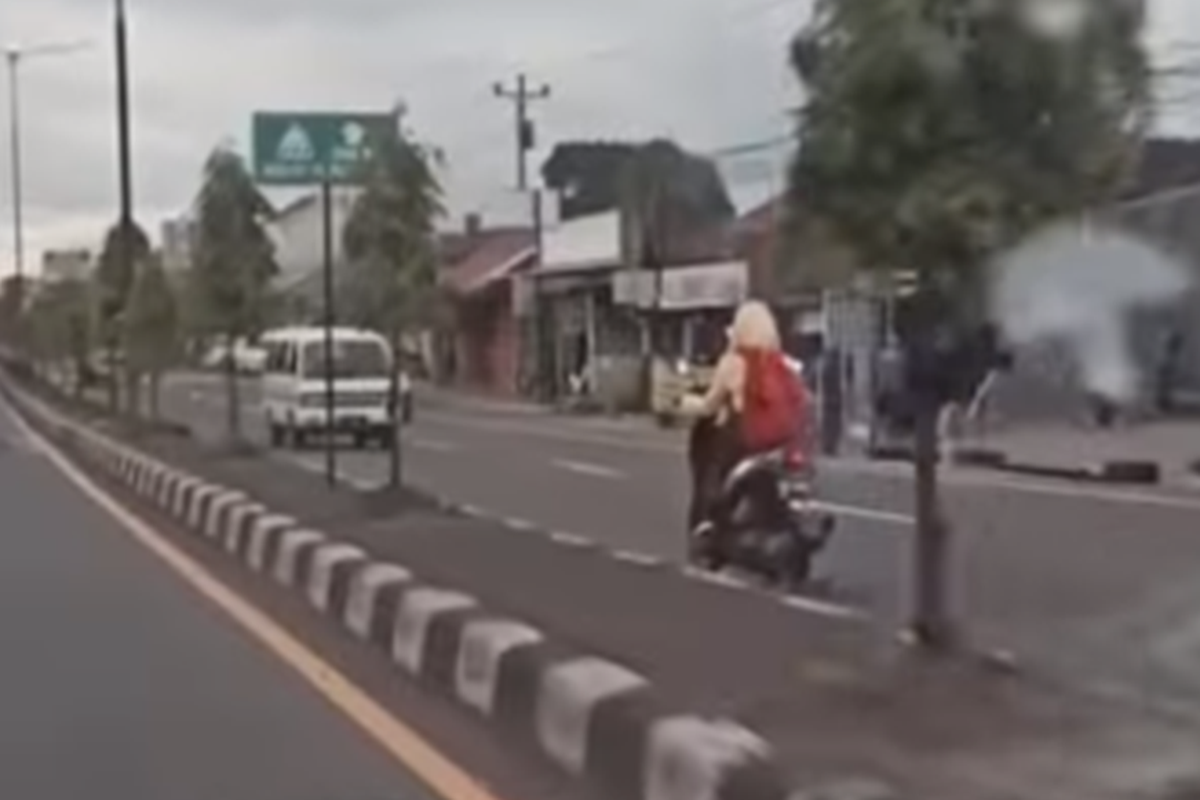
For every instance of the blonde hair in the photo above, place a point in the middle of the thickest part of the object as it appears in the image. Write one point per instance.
(754, 327)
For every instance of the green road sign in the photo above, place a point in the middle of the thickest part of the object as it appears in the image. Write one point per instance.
(300, 148)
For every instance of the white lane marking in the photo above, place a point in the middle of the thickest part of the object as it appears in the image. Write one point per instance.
(519, 524)
(584, 468)
(717, 578)
(822, 608)
(571, 539)
(640, 559)
(433, 445)
(869, 514)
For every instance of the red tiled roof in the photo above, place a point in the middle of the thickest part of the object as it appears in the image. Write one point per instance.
(494, 255)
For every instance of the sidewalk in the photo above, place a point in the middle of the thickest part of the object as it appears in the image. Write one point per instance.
(1126, 454)
(841, 703)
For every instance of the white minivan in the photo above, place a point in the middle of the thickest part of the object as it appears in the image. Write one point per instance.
(293, 385)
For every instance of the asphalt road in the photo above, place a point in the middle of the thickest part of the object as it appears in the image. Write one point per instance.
(121, 682)
(1086, 576)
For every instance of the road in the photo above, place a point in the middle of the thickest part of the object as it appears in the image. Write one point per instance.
(1073, 573)
(120, 681)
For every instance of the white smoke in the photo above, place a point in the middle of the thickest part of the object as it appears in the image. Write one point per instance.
(1080, 287)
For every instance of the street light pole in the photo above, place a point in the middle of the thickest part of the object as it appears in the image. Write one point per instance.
(125, 167)
(14, 57)
(14, 117)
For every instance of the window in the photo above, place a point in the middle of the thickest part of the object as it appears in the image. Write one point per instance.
(359, 359)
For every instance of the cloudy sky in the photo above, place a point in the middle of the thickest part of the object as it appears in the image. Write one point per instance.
(708, 72)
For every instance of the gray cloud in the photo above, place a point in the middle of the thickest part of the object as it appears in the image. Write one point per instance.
(710, 73)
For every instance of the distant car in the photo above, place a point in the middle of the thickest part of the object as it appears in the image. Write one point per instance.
(247, 359)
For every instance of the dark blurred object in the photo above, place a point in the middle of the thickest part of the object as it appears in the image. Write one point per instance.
(832, 401)
(1166, 377)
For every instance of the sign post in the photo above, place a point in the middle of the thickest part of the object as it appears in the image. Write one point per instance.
(317, 148)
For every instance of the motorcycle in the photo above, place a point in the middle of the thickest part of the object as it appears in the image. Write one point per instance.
(772, 526)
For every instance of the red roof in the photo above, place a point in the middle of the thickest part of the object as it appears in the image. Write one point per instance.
(492, 257)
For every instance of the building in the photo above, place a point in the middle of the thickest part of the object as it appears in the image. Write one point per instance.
(298, 232)
(66, 265)
(178, 237)
(604, 315)
(478, 275)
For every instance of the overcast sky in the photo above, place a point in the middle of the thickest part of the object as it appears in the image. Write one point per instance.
(711, 73)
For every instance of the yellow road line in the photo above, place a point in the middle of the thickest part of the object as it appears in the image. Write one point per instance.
(405, 745)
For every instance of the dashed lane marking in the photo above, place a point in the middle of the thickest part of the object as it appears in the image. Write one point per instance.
(586, 468)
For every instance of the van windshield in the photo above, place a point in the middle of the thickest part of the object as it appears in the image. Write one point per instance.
(350, 360)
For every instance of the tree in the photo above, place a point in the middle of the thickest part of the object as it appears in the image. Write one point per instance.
(125, 246)
(12, 294)
(234, 262)
(390, 240)
(591, 177)
(935, 132)
(58, 321)
(151, 330)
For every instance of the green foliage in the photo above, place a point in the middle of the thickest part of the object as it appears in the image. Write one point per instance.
(594, 177)
(936, 131)
(125, 246)
(390, 235)
(12, 293)
(152, 321)
(59, 322)
(235, 257)
(666, 196)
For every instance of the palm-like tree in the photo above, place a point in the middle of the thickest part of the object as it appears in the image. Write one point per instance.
(389, 238)
(234, 261)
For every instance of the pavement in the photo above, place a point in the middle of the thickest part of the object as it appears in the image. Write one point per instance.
(1169, 445)
(122, 682)
(1093, 588)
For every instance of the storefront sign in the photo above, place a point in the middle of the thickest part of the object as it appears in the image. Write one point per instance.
(721, 285)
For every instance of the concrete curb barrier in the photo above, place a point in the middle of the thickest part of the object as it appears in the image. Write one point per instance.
(1129, 471)
(592, 717)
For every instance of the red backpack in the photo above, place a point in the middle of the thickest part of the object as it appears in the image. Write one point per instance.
(774, 402)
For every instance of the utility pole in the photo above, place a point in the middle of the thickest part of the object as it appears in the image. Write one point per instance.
(521, 96)
(125, 223)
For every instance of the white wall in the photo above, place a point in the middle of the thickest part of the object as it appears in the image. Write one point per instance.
(299, 241)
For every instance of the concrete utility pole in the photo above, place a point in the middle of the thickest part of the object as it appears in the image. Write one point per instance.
(521, 97)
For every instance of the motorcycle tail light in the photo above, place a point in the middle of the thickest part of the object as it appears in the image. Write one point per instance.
(793, 459)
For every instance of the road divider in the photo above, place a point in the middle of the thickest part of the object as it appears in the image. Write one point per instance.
(592, 717)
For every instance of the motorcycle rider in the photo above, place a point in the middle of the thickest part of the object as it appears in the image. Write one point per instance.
(756, 403)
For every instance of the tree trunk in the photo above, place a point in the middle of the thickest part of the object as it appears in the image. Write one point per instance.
(233, 400)
(132, 381)
(931, 624)
(395, 462)
(155, 395)
(114, 380)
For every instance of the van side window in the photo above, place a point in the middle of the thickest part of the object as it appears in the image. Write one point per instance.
(288, 366)
(274, 357)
